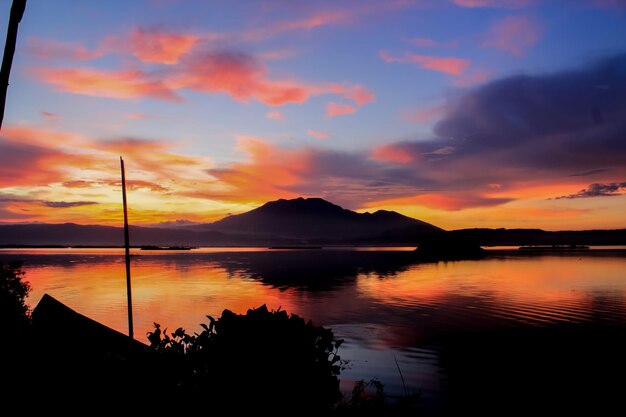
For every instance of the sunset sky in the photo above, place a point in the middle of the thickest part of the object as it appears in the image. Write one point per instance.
(462, 113)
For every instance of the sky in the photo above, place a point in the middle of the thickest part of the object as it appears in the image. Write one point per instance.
(461, 113)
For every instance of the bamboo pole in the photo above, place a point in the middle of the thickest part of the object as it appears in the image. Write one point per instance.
(17, 11)
(127, 252)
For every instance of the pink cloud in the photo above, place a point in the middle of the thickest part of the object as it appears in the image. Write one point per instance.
(392, 153)
(276, 115)
(505, 4)
(448, 65)
(359, 94)
(431, 43)
(137, 116)
(335, 109)
(424, 115)
(50, 115)
(101, 83)
(514, 34)
(155, 45)
(54, 49)
(317, 134)
(319, 19)
(241, 76)
(472, 78)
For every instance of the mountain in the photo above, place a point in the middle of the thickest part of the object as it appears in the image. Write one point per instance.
(281, 222)
(315, 218)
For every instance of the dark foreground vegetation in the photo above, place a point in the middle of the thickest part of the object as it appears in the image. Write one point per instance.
(264, 361)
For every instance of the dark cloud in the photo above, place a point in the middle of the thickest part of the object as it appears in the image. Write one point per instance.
(130, 184)
(530, 127)
(559, 121)
(523, 129)
(67, 204)
(598, 190)
(79, 184)
(590, 172)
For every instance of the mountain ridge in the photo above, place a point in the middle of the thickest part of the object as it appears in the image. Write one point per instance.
(383, 227)
(285, 222)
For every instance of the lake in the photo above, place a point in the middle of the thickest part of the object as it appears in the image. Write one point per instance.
(503, 333)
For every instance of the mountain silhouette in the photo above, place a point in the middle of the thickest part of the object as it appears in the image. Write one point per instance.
(280, 222)
(315, 218)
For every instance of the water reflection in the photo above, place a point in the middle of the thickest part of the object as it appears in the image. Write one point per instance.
(505, 325)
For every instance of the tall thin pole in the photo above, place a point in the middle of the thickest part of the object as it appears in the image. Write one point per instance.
(17, 11)
(127, 250)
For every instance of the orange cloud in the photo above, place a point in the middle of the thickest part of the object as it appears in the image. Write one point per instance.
(514, 34)
(155, 45)
(40, 136)
(54, 49)
(507, 4)
(137, 116)
(392, 153)
(317, 134)
(240, 76)
(357, 93)
(267, 173)
(448, 65)
(449, 202)
(335, 109)
(101, 83)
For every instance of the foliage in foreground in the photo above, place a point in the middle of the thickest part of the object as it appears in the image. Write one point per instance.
(263, 359)
(14, 313)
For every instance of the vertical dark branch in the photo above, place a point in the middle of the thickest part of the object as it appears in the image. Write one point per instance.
(127, 252)
(17, 11)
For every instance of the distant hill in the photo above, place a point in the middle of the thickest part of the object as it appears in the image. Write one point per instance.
(315, 218)
(281, 222)
(294, 222)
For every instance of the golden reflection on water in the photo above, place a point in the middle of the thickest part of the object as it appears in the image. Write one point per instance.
(176, 291)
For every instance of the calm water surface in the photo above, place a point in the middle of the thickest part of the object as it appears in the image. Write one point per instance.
(446, 324)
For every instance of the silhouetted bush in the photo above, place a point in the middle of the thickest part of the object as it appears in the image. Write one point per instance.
(14, 313)
(258, 361)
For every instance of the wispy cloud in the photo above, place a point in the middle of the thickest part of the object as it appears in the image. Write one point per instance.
(138, 116)
(598, 190)
(67, 204)
(514, 34)
(157, 45)
(431, 43)
(102, 83)
(446, 201)
(241, 76)
(472, 77)
(336, 109)
(392, 153)
(49, 49)
(424, 115)
(315, 20)
(275, 115)
(448, 65)
(506, 4)
(317, 134)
